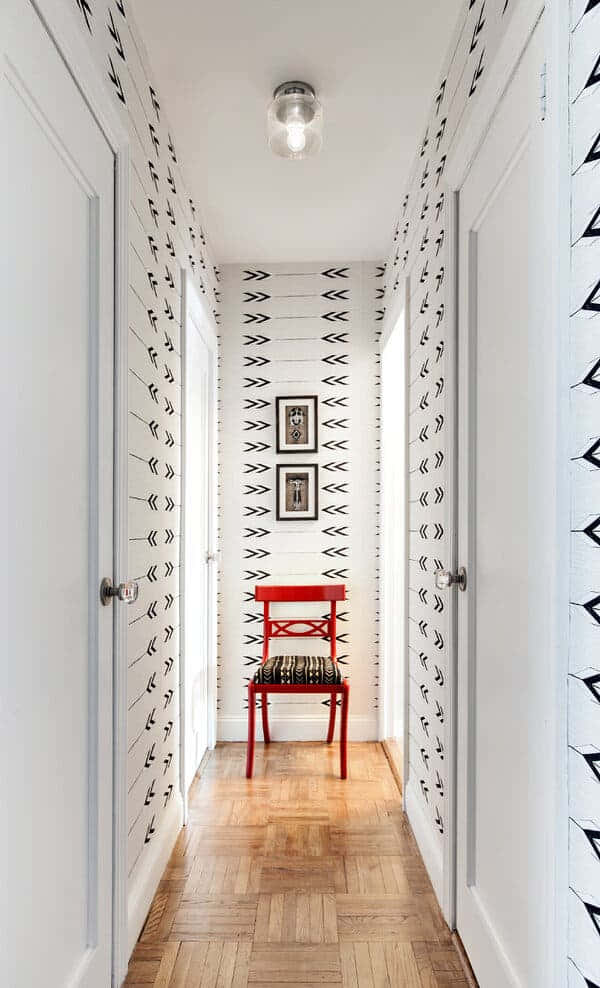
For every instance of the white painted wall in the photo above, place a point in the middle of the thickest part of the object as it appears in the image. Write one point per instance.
(285, 330)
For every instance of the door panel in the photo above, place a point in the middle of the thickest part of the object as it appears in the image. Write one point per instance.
(496, 856)
(199, 582)
(57, 453)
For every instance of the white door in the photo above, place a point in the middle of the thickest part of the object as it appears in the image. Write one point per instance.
(500, 880)
(56, 285)
(199, 559)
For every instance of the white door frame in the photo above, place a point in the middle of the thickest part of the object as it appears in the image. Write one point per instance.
(397, 310)
(192, 299)
(556, 162)
(62, 23)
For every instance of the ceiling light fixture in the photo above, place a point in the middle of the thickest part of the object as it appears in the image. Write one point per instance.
(295, 121)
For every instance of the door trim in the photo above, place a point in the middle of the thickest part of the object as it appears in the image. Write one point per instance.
(208, 330)
(62, 24)
(557, 190)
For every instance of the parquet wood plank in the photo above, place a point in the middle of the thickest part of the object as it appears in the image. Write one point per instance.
(295, 878)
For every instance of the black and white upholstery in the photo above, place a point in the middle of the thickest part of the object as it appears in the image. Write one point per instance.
(304, 670)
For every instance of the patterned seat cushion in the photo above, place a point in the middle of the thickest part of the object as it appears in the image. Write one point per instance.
(304, 670)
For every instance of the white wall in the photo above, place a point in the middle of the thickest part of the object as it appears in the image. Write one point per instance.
(165, 236)
(301, 329)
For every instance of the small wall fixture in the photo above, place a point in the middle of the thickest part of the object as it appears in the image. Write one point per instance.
(295, 121)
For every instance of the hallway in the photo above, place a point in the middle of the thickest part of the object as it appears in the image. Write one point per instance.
(295, 878)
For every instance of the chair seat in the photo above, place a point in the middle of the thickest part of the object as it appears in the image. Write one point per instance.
(303, 670)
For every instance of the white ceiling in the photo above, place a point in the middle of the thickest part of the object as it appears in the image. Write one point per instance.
(374, 64)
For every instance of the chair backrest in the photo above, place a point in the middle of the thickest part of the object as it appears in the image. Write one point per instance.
(299, 627)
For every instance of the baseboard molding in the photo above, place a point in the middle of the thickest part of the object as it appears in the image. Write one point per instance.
(297, 728)
(391, 750)
(431, 853)
(150, 873)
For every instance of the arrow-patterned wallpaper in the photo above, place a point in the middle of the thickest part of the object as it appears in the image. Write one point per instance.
(584, 663)
(165, 236)
(302, 329)
(419, 252)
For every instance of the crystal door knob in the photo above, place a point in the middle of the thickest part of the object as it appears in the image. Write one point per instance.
(444, 579)
(127, 592)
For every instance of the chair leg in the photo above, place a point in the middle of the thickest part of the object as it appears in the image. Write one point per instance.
(265, 718)
(344, 730)
(251, 729)
(332, 710)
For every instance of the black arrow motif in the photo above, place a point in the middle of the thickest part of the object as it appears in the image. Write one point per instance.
(335, 338)
(112, 30)
(168, 310)
(151, 685)
(169, 375)
(169, 536)
(87, 13)
(336, 574)
(169, 601)
(154, 139)
(151, 646)
(332, 552)
(336, 465)
(168, 665)
(334, 531)
(151, 719)
(335, 316)
(424, 789)
(167, 761)
(169, 471)
(150, 830)
(152, 282)
(336, 424)
(336, 444)
(336, 509)
(150, 756)
(170, 214)
(257, 426)
(169, 277)
(171, 181)
(151, 240)
(253, 489)
(256, 275)
(255, 340)
(334, 488)
(591, 455)
(250, 361)
(169, 441)
(478, 73)
(152, 538)
(151, 612)
(337, 403)
(258, 533)
(169, 407)
(336, 295)
(335, 273)
(153, 502)
(169, 503)
(255, 317)
(255, 296)
(168, 793)
(256, 575)
(169, 567)
(151, 574)
(169, 632)
(477, 29)
(170, 245)
(114, 78)
(168, 696)
(256, 553)
(252, 511)
(438, 641)
(256, 382)
(341, 382)
(250, 447)
(255, 468)
(335, 359)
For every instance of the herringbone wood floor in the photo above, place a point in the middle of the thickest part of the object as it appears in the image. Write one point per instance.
(295, 878)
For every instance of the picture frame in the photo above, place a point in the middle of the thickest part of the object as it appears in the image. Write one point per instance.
(297, 424)
(297, 492)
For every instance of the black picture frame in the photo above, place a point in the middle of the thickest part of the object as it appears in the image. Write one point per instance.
(281, 470)
(295, 449)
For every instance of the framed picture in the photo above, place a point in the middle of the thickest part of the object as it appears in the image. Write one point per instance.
(297, 492)
(297, 424)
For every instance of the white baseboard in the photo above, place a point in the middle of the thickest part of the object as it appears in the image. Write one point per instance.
(150, 873)
(297, 728)
(431, 850)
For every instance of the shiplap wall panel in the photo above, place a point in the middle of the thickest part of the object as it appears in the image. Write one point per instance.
(584, 663)
(164, 237)
(420, 252)
(299, 329)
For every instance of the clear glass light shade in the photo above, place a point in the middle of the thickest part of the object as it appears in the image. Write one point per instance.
(295, 121)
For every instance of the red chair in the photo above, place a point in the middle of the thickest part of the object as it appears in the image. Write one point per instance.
(299, 673)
